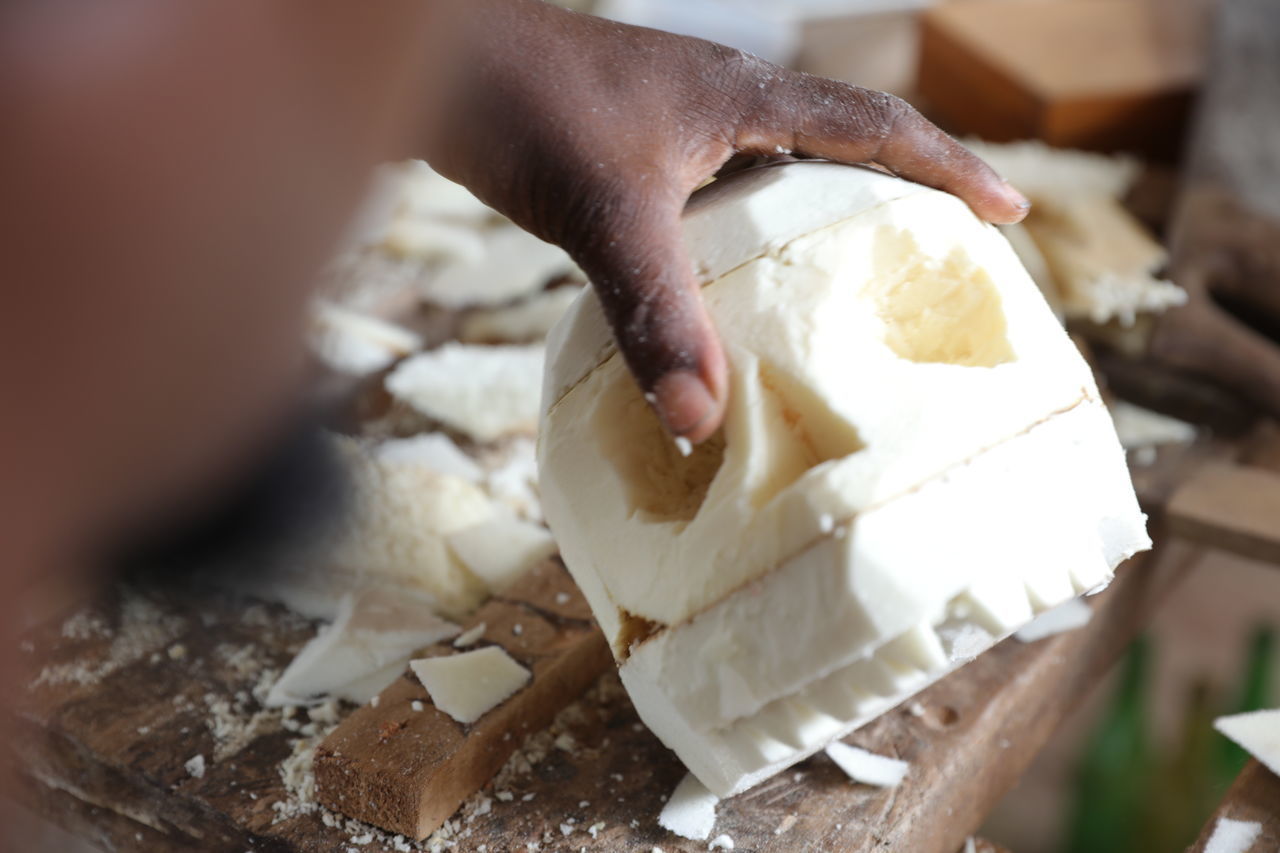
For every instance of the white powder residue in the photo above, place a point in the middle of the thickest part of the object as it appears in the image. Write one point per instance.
(144, 628)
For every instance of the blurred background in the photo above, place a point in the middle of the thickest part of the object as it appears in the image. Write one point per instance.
(1086, 106)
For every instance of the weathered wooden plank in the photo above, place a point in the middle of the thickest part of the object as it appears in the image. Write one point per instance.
(1254, 797)
(1232, 507)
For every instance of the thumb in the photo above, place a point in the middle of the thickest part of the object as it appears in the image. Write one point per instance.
(636, 260)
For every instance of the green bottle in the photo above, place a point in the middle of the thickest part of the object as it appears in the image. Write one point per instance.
(1114, 773)
(1182, 796)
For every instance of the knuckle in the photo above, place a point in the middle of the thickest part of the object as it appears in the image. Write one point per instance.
(742, 84)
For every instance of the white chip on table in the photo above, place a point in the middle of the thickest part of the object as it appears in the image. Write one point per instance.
(691, 810)
(867, 767)
(357, 344)
(1258, 732)
(485, 392)
(363, 651)
(468, 685)
(528, 320)
(502, 548)
(512, 264)
(1233, 836)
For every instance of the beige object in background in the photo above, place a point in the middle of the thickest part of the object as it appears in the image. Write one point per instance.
(908, 425)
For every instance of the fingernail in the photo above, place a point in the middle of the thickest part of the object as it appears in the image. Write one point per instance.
(1019, 200)
(682, 401)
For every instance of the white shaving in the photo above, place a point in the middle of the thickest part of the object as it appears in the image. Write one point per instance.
(867, 767)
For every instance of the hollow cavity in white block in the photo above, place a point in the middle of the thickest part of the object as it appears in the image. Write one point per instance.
(908, 427)
(721, 842)
(1067, 616)
(1233, 836)
(691, 810)
(867, 767)
(485, 392)
(1257, 732)
(468, 685)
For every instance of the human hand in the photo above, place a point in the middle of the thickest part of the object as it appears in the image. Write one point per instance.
(592, 134)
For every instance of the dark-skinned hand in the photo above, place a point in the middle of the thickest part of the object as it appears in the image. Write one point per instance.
(592, 134)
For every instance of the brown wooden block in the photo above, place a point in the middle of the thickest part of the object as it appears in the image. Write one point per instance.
(408, 771)
(1096, 74)
(1232, 507)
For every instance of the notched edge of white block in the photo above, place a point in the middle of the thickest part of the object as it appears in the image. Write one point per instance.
(691, 810)
(1233, 836)
(1070, 615)
(1257, 732)
(867, 767)
(468, 685)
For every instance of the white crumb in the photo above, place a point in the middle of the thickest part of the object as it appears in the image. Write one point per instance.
(195, 766)
(684, 445)
(1233, 836)
(416, 705)
(721, 842)
(562, 598)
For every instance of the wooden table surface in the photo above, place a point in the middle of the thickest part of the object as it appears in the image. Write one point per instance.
(125, 693)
